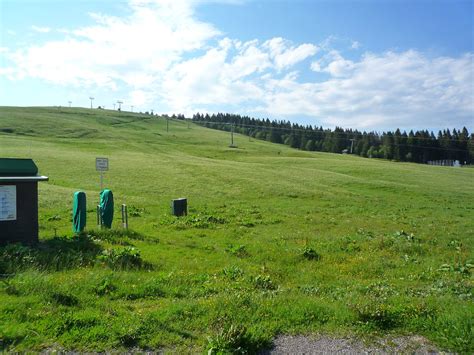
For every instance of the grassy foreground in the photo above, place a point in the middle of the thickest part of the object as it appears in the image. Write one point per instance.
(277, 241)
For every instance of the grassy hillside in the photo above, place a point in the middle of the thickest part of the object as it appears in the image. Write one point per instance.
(277, 241)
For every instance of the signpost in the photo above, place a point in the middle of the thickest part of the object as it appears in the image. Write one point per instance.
(101, 165)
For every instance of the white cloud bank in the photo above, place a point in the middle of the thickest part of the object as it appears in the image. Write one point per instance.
(163, 56)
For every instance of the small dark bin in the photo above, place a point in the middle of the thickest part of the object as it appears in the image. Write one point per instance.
(179, 207)
(19, 201)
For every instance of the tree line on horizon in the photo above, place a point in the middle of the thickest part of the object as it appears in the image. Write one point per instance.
(419, 146)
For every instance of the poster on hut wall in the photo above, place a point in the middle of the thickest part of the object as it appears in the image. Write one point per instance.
(7, 203)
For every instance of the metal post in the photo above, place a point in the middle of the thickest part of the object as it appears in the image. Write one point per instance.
(232, 135)
(124, 216)
(99, 219)
(101, 181)
(352, 144)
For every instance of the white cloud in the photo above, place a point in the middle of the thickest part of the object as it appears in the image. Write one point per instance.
(139, 98)
(212, 79)
(284, 55)
(336, 65)
(355, 45)
(249, 60)
(155, 35)
(40, 29)
(316, 66)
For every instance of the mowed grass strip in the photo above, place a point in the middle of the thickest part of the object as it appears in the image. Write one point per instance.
(276, 241)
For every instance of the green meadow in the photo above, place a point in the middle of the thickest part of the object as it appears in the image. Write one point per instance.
(277, 241)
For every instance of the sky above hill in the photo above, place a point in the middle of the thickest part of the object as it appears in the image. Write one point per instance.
(366, 64)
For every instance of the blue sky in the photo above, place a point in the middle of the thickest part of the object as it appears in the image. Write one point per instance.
(363, 64)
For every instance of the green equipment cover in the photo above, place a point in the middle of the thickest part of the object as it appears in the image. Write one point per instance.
(79, 212)
(107, 207)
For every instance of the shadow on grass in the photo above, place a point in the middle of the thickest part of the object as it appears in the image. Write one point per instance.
(59, 253)
(8, 341)
(119, 236)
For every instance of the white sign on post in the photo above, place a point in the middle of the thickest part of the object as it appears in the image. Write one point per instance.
(7, 203)
(101, 164)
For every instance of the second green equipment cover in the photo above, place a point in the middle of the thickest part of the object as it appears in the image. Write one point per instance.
(107, 207)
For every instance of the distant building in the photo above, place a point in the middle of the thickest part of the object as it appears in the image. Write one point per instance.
(445, 162)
